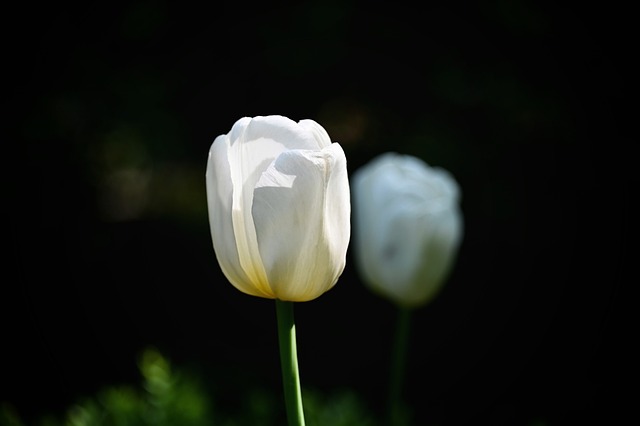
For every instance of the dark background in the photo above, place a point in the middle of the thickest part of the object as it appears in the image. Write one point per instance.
(111, 109)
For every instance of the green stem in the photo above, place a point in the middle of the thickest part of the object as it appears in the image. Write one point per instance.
(289, 363)
(398, 366)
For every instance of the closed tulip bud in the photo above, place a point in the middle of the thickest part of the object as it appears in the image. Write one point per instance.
(408, 227)
(279, 207)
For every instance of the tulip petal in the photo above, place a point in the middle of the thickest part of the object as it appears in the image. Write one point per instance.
(438, 252)
(287, 133)
(301, 211)
(398, 249)
(376, 191)
(220, 199)
(319, 133)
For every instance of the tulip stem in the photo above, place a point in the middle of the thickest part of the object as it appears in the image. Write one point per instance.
(398, 366)
(289, 363)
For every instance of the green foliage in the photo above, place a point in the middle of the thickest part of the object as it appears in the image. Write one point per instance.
(168, 397)
(8, 416)
(342, 408)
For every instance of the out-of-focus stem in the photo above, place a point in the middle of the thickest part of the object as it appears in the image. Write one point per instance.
(398, 366)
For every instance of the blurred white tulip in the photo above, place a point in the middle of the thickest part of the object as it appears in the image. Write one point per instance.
(407, 227)
(279, 207)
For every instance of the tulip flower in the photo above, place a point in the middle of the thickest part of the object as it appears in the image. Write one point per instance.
(408, 228)
(279, 210)
(279, 207)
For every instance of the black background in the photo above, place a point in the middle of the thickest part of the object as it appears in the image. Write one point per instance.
(525, 103)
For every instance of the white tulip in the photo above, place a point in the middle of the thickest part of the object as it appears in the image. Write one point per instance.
(279, 207)
(408, 227)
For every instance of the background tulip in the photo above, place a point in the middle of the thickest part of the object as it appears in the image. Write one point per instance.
(408, 227)
(279, 207)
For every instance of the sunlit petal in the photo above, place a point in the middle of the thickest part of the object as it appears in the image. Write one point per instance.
(300, 225)
(220, 200)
